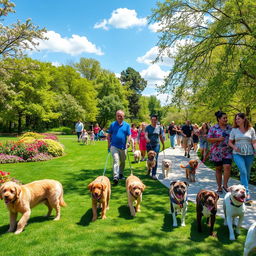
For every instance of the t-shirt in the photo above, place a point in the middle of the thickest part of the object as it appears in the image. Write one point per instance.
(243, 141)
(119, 133)
(187, 130)
(153, 134)
(96, 129)
(171, 129)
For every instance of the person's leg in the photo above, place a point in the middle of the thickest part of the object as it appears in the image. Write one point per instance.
(185, 144)
(78, 136)
(143, 154)
(115, 155)
(248, 163)
(226, 176)
(240, 162)
(156, 149)
(122, 157)
(189, 145)
(219, 177)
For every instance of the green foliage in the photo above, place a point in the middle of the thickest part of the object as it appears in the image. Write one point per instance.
(89, 68)
(62, 129)
(54, 147)
(34, 135)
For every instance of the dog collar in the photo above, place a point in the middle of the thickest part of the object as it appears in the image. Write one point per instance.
(231, 202)
(176, 201)
(133, 196)
(98, 199)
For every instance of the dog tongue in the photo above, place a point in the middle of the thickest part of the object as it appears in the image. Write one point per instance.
(209, 208)
(179, 196)
(7, 201)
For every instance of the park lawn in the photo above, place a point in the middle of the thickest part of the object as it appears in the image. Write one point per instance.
(149, 233)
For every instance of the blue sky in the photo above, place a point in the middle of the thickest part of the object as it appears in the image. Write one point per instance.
(114, 32)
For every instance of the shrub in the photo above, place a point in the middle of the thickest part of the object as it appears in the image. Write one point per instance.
(10, 159)
(63, 129)
(54, 148)
(26, 140)
(50, 136)
(34, 135)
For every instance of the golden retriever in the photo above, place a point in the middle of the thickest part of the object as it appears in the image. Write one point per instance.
(134, 189)
(191, 170)
(21, 198)
(151, 162)
(101, 190)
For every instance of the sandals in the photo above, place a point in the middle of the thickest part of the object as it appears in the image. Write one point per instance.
(219, 191)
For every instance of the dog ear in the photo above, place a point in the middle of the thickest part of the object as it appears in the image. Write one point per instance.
(172, 183)
(186, 183)
(90, 186)
(143, 187)
(18, 190)
(1, 191)
(231, 188)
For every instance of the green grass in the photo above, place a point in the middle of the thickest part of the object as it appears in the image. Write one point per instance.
(149, 233)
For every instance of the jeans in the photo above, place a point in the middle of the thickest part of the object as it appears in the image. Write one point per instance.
(244, 164)
(156, 149)
(119, 156)
(172, 140)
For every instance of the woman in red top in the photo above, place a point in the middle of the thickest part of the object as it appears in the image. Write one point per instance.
(134, 136)
(142, 141)
(96, 130)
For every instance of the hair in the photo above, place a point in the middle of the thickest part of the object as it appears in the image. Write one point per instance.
(154, 116)
(207, 127)
(133, 125)
(219, 114)
(247, 124)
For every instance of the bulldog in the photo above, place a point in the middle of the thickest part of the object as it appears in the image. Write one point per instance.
(250, 242)
(233, 205)
(206, 205)
(178, 200)
(166, 167)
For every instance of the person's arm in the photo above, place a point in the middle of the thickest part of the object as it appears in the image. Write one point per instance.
(146, 136)
(128, 141)
(231, 143)
(162, 140)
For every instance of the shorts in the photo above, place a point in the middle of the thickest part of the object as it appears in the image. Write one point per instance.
(195, 139)
(203, 144)
(224, 161)
(187, 141)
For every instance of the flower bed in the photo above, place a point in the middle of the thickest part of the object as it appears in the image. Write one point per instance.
(31, 147)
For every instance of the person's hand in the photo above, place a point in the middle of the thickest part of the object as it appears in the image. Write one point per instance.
(237, 149)
(148, 140)
(127, 144)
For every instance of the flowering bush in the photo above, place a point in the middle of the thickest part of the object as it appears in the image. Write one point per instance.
(34, 135)
(31, 149)
(4, 177)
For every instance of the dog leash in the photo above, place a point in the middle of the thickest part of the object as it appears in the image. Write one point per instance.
(129, 163)
(106, 164)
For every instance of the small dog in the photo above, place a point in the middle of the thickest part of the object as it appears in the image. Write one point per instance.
(206, 205)
(101, 190)
(166, 167)
(233, 205)
(151, 162)
(250, 242)
(21, 198)
(134, 189)
(84, 137)
(179, 201)
(191, 170)
(137, 156)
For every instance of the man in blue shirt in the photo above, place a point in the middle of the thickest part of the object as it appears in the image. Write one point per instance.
(153, 133)
(79, 128)
(119, 136)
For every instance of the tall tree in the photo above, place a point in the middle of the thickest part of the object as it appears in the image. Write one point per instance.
(89, 68)
(136, 84)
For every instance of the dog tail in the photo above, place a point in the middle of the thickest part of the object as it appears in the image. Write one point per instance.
(182, 166)
(62, 202)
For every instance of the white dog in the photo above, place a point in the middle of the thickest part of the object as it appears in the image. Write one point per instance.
(166, 167)
(250, 242)
(137, 156)
(233, 205)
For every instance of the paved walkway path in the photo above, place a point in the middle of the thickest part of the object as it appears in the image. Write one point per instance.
(205, 179)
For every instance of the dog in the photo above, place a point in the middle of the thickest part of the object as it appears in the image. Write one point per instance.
(206, 205)
(250, 242)
(191, 170)
(178, 193)
(100, 190)
(134, 189)
(166, 167)
(233, 205)
(84, 137)
(137, 156)
(21, 198)
(151, 162)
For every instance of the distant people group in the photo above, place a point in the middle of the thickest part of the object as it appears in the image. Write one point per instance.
(221, 143)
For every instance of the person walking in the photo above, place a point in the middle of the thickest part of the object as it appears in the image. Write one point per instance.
(119, 136)
(186, 131)
(242, 140)
(142, 141)
(134, 136)
(221, 152)
(79, 127)
(154, 132)
(96, 129)
(172, 130)
(203, 143)
(195, 136)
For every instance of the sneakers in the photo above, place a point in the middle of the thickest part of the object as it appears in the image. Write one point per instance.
(121, 177)
(115, 181)
(188, 155)
(185, 154)
(154, 177)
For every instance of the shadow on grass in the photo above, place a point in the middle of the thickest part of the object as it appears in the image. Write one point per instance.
(124, 212)
(86, 219)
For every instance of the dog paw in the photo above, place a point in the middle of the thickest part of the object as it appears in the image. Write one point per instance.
(214, 234)
(57, 218)
(18, 231)
(104, 217)
(183, 224)
(9, 230)
(94, 219)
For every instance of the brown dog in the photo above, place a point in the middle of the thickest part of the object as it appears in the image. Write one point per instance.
(191, 170)
(151, 162)
(206, 205)
(101, 190)
(134, 189)
(21, 198)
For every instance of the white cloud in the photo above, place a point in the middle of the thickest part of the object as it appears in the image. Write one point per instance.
(56, 64)
(74, 45)
(155, 27)
(164, 98)
(122, 18)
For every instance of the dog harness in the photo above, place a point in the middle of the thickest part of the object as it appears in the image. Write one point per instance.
(133, 196)
(176, 201)
(97, 199)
